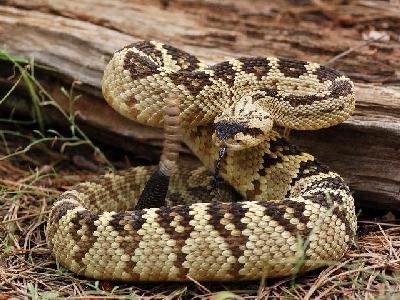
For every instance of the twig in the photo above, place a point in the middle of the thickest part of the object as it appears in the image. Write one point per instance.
(25, 217)
(352, 49)
(9, 182)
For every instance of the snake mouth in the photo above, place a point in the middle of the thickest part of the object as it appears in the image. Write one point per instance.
(237, 135)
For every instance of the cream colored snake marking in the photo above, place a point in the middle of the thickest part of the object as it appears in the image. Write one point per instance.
(287, 212)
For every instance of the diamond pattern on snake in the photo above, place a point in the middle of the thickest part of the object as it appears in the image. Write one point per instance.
(276, 211)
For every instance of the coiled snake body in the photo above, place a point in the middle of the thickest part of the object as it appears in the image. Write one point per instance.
(287, 212)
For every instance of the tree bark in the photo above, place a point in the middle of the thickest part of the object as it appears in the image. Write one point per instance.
(360, 38)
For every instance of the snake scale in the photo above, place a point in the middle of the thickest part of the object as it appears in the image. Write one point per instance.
(276, 212)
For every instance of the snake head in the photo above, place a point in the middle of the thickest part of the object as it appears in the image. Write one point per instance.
(243, 125)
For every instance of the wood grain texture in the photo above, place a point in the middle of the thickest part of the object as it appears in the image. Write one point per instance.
(77, 39)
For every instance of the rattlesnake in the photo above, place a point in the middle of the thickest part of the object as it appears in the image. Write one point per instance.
(287, 213)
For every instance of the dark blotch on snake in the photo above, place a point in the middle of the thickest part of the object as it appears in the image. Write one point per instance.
(226, 130)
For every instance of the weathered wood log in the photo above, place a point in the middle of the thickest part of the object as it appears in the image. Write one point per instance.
(359, 38)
